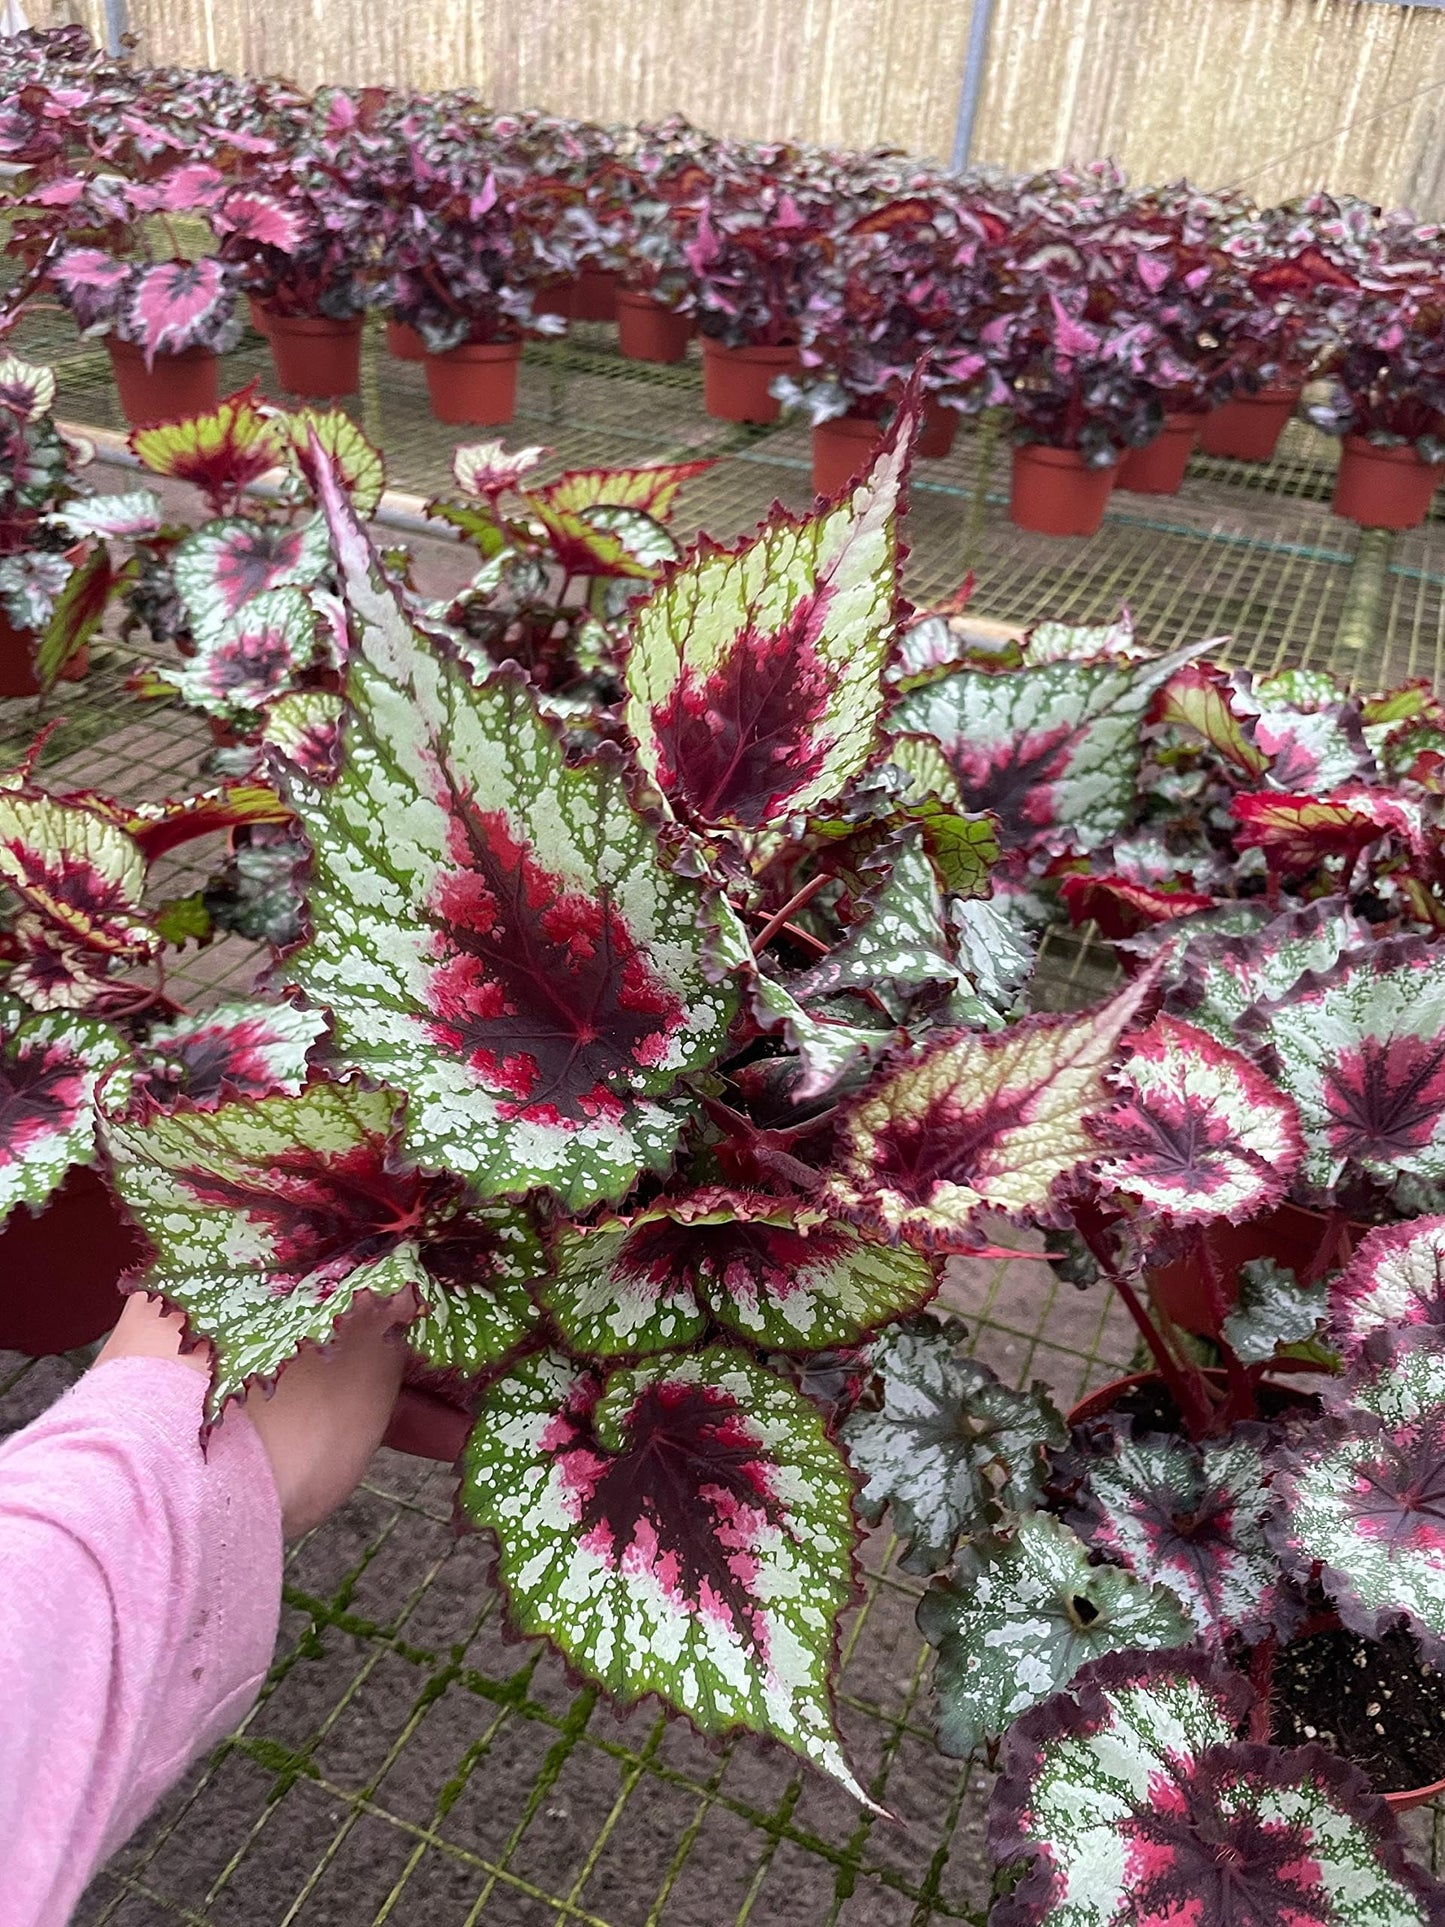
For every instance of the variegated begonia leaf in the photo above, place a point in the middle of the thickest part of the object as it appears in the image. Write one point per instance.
(221, 453)
(1395, 1281)
(1053, 751)
(978, 1122)
(1019, 1615)
(359, 465)
(489, 470)
(767, 1268)
(232, 1050)
(50, 970)
(220, 568)
(1196, 1132)
(1224, 972)
(754, 675)
(1200, 698)
(29, 585)
(79, 610)
(653, 489)
(493, 928)
(1137, 1805)
(1361, 1050)
(1272, 1309)
(481, 1268)
(830, 1047)
(176, 305)
(996, 949)
(140, 513)
(949, 1446)
(900, 946)
(1310, 730)
(50, 1066)
(1085, 642)
(252, 658)
(304, 726)
(1362, 1505)
(684, 1529)
(584, 546)
(26, 390)
(1298, 832)
(1186, 1515)
(82, 874)
(943, 640)
(270, 1216)
(1122, 908)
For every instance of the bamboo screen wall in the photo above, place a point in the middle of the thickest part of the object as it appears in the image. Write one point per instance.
(1351, 93)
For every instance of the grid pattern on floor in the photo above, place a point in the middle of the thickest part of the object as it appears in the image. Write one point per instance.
(406, 1765)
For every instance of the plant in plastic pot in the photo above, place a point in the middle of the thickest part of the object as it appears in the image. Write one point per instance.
(1387, 378)
(655, 188)
(53, 586)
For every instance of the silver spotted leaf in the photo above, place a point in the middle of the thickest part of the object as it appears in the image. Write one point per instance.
(50, 1068)
(1394, 1281)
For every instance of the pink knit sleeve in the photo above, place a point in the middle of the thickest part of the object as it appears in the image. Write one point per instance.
(140, 1589)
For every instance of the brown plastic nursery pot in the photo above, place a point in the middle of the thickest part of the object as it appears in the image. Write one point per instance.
(648, 331)
(17, 674)
(555, 298)
(260, 320)
(403, 343)
(475, 383)
(735, 380)
(594, 296)
(1290, 1235)
(1158, 468)
(842, 450)
(1098, 1404)
(173, 387)
(940, 426)
(60, 1268)
(1247, 428)
(1054, 492)
(1383, 488)
(315, 356)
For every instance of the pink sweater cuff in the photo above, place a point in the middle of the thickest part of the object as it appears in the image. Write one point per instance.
(137, 1617)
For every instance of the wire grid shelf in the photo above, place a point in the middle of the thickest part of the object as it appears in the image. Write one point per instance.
(405, 1763)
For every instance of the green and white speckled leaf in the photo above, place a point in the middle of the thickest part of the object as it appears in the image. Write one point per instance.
(1273, 1309)
(1052, 751)
(978, 1122)
(305, 727)
(1311, 733)
(1366, 1511)
(769, 1270)
(79, 871)
(218, 569)
(754, 675)
(949, 1444)
(492, 928)
(1226, 973)
(131, 516)
(1138, 1807)
(682, 1529)
(251, 658)
(481, 1264)
(830, 1048)
(269, 1217)
(1190, 1517)
(1085, 642)
(1396, 1279)
(1361, 1050)
(1018, 1616)
(50, 1067)
(232, 1050)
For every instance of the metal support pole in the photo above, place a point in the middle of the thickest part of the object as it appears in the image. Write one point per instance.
(116, 25)
(975, 66)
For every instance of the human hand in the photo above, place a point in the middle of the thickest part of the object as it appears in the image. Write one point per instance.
(326, 1416)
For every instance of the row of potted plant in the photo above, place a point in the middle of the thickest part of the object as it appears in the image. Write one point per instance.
(1120, 327)
(668, 1046)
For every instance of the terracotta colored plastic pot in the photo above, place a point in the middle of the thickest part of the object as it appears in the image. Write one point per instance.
(555, 298)
(842, 449)
(1247, 428)
(1290, 1235)
(594, 298)
(940, 426)
(1100, 1403)
(1383, 488)
(1054, 493)
(735, 380)
(60, 1268)
(315, 356)
(1158, 468)
(647, 331)
(17, 671)
(403, 343)
(475, 384)
(174, 387)
(260, 320)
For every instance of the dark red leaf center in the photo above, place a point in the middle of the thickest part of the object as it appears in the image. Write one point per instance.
(1384, 1098)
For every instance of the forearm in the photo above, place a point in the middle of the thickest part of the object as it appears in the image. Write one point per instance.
(138, 1611)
